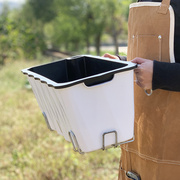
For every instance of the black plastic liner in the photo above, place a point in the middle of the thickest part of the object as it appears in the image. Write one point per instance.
(74, 69)
(87, 69)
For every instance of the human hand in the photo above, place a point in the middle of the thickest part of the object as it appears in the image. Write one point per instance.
(144, 72)
(110, 56)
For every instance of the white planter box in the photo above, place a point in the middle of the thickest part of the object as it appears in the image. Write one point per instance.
(86, 98)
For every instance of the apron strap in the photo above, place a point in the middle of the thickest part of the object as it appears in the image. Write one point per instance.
(163, 9)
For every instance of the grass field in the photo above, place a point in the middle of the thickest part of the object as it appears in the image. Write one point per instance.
(29, 151)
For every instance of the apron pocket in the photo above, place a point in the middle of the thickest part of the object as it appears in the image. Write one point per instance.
(146, 44)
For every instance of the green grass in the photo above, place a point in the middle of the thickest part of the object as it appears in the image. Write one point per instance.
(29, 151)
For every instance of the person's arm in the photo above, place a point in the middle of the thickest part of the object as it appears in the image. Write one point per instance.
(143, 72)
(166, 76)
(157, 75)
(122, 58)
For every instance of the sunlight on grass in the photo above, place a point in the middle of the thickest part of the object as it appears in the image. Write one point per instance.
(29, 151)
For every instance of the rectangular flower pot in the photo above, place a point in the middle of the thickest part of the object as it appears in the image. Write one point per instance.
(87, 99)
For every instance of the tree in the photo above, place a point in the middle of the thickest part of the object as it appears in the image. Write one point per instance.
(32, 39)
(8, 33)
(91, 19)
(67, 33)
(72, 25)
(117, 19)
(45, 11)
(66, 24)
(99, 9)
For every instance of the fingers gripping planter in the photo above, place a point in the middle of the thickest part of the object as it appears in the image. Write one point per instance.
(87, 99)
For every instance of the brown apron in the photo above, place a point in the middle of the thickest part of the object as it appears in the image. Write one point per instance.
(155, 153)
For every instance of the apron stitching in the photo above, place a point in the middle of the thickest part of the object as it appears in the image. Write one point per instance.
(151, 158)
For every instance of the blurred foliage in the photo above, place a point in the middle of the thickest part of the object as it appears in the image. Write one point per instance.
(44, 11)
(66, 25)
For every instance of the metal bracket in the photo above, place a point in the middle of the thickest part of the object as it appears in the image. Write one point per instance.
(47, 122)
(77, 148)
(128, 141)
(75, 142)
(116, 140)
(103, 141)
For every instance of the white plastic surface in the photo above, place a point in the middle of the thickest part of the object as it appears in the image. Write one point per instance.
(90, 111)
